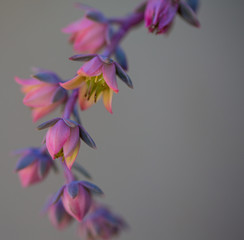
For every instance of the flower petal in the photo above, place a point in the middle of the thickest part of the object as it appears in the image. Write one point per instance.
(92, 67)
(73, 83)
(109, 76)
(70, 159)
(107, 99)
(40, 97)
(72, 141)
(77, 207)
(56, 137)
(40, 112)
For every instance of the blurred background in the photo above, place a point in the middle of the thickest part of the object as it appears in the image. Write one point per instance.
(171, 157)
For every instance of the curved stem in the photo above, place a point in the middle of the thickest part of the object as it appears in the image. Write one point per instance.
(67, 173)
(70, 105)
(126, 24)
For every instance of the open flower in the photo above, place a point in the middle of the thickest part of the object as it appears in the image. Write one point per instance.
(96, 79)
(58, 215)
(42, 92)
(101, 223)
(33, 166)
(63, 139)
(87, 34)
(76, 198)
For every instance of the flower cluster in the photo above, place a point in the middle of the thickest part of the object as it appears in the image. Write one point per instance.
(96, 39)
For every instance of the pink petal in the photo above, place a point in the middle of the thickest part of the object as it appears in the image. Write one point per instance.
(107, 99)
(72, 141)
(92, 67)
(70, 159)
(40, 112)
(27, 82)
(40, 97)
(109, 75)
(79, 206)
(73, 83)
(76, 26)
(56, 137)
(29, 175)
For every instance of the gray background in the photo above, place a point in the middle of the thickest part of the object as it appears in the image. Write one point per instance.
(171, 158)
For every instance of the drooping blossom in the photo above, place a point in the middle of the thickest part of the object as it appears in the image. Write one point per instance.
(96, 79)
(63, 139)
(42, 92)
(33, 166)
(58, 215)
(159, 15)
(76, 197)
(101, 224)
(90, 33)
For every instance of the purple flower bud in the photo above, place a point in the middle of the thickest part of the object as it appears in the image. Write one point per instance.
(43, 93)
(101, 223)
(58, 216)
(63, 139)
(33, 166)
(160, 14)
(76, 198)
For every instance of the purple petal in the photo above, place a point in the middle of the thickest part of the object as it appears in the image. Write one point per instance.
(91, 68)
(48, 77)
(110, 76)
(25, 162)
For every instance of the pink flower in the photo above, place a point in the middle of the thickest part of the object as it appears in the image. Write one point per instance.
(63, 139)
(43, 93)
(76, 198)
(101, 223)
(160, 14)
(33, 166)
(96, 79)
(87, 35)
(58, 215)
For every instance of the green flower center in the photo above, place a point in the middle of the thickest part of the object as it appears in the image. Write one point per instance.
(95, 86)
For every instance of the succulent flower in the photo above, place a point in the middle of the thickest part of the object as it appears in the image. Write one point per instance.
(33, 166)
(63, 139)
(101, 223)
(76, 197)
(160, 14)
(90, 33)
(58, 215)
(42, 92)
(96, 79)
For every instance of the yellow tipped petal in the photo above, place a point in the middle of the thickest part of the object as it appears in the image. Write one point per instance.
(107, 99)
(69, 160)
(73, 83)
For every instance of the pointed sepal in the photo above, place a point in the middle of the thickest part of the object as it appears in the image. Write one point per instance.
(91, 187)
(73, 189)
(47, 77)
(187, 13)
(82, 57)
(25, 162)
(86, 138)
(121, 58)
(48, 123)
(123, 75)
